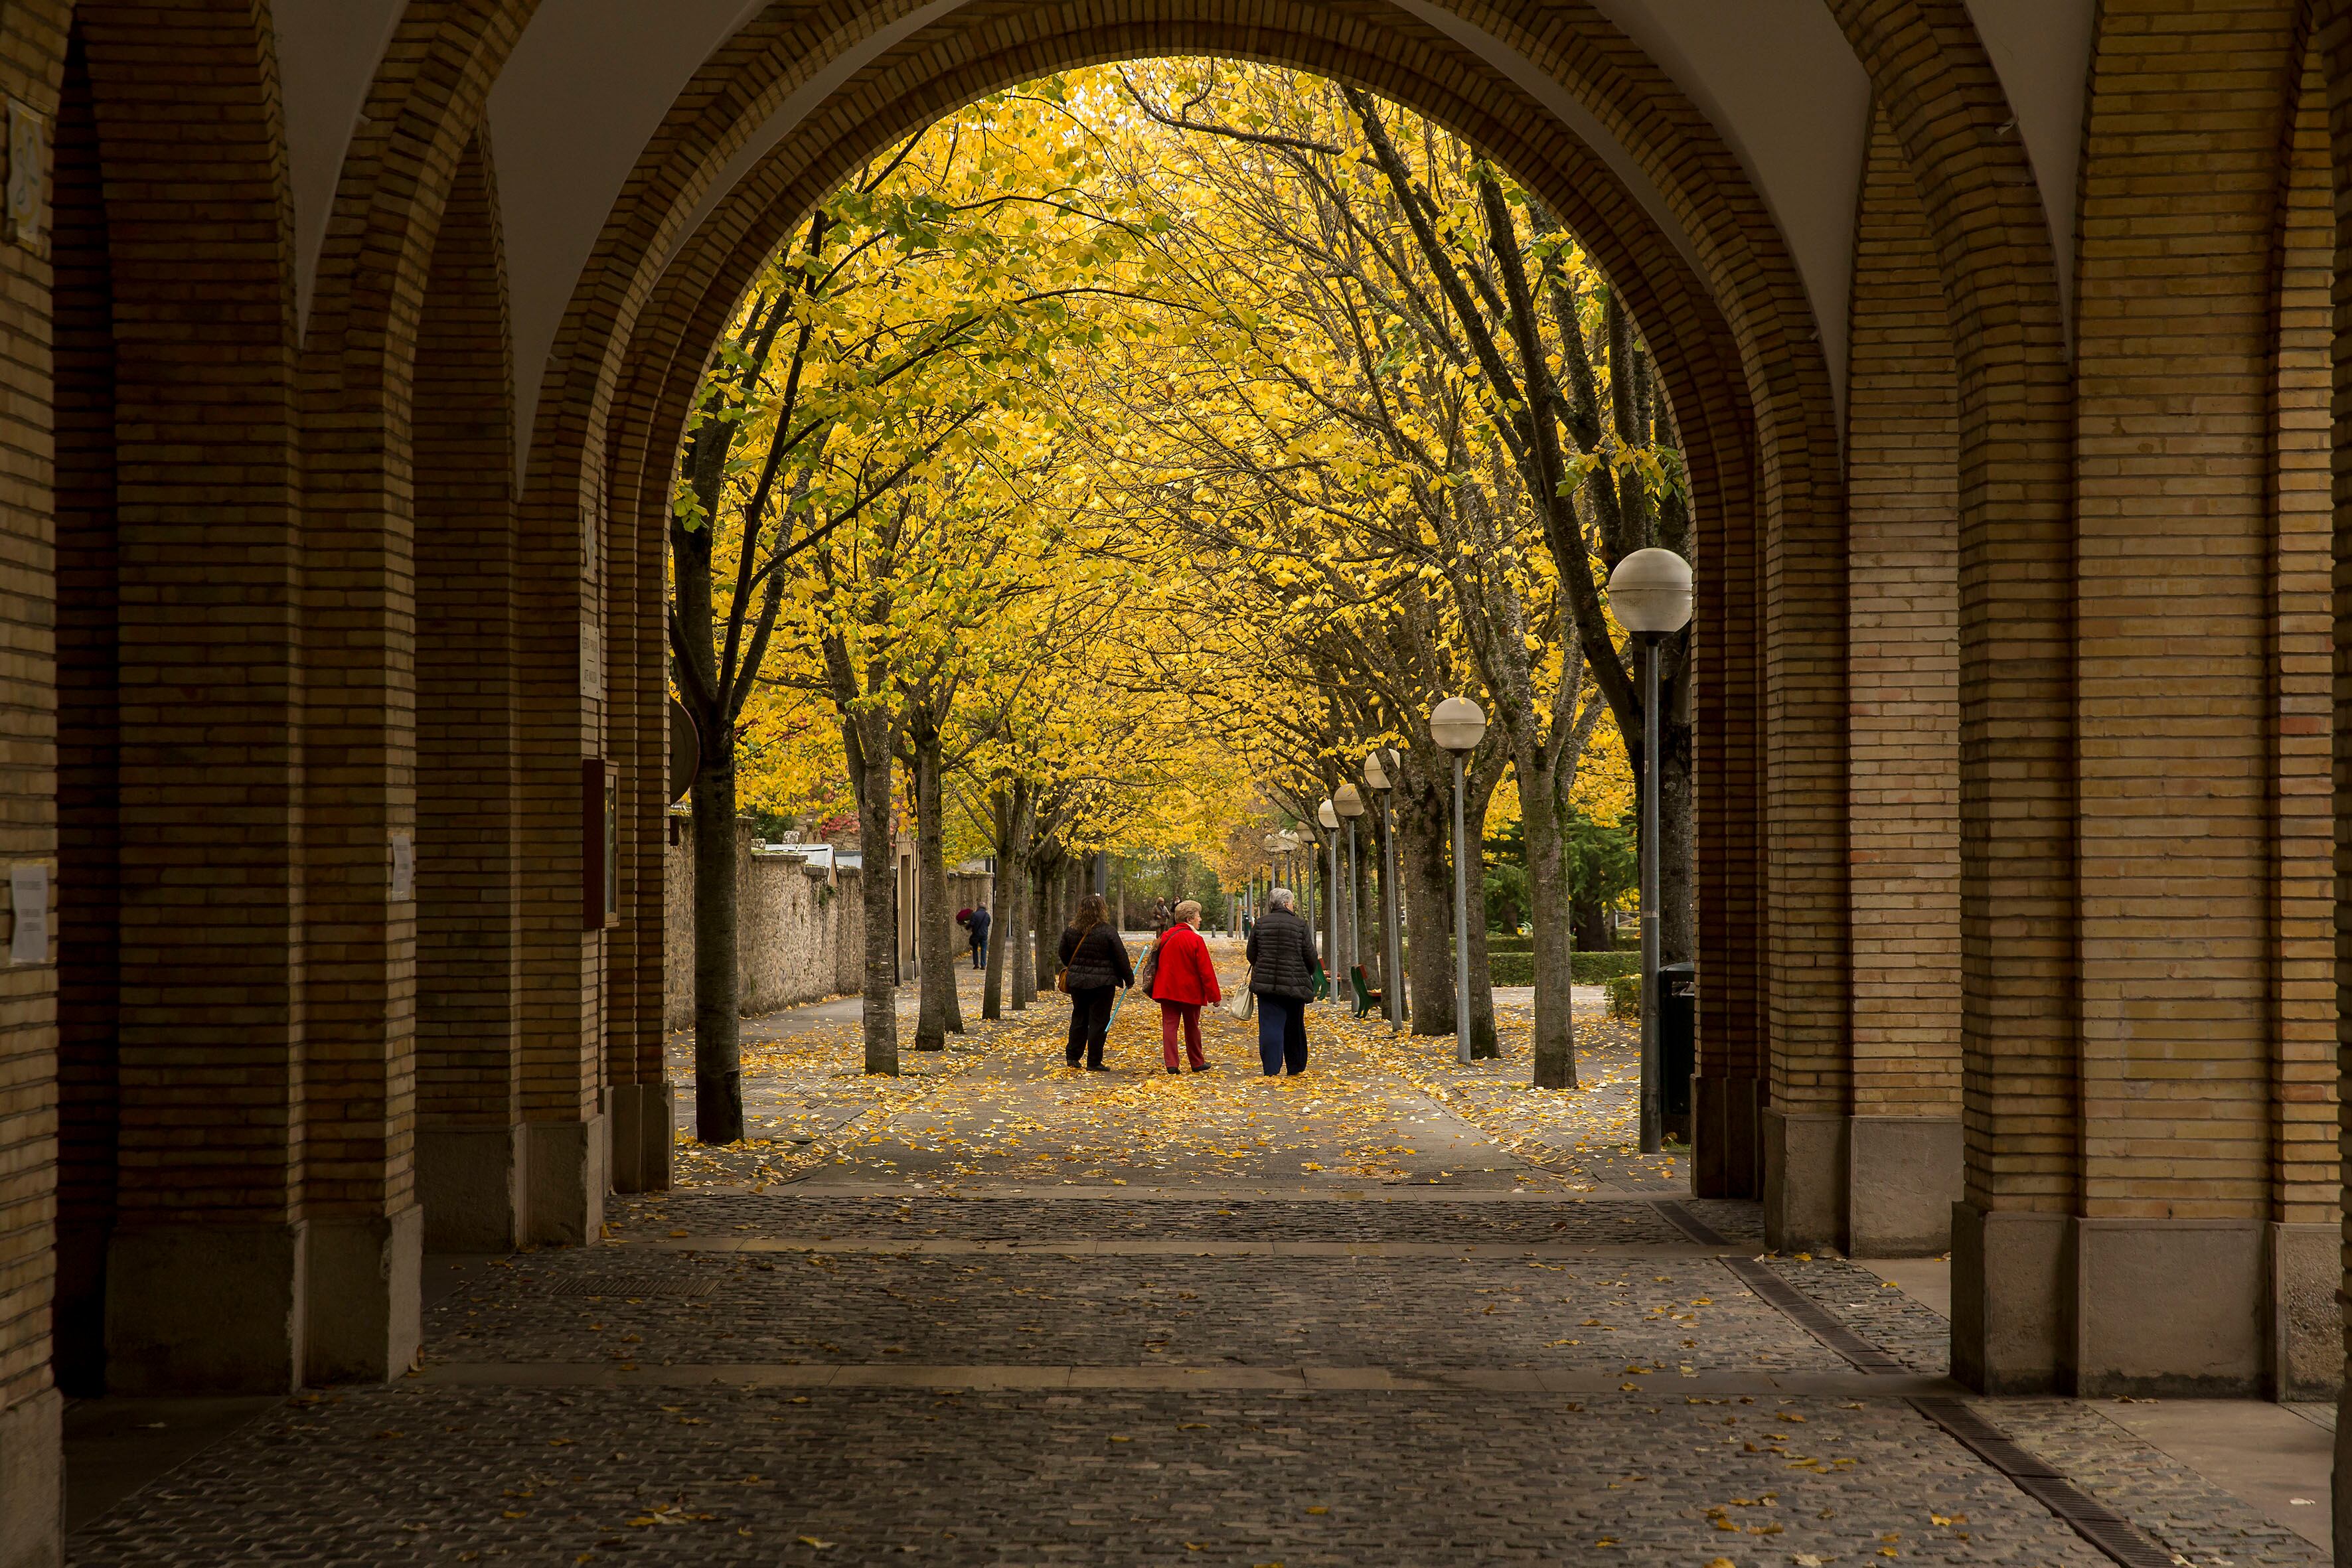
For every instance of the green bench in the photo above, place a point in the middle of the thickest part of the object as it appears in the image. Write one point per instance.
(1366, 999)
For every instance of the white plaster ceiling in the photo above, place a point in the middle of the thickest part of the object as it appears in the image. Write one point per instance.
(591, 79)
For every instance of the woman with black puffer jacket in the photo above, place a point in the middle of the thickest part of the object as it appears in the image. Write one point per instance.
(1094, 967)
(1283, 967)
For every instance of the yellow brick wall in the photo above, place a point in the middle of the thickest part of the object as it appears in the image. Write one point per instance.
(1902, 481)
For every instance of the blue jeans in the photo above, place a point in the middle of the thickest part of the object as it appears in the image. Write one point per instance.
(1282, 1034)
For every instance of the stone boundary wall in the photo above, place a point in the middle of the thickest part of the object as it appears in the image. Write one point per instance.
(801, 930)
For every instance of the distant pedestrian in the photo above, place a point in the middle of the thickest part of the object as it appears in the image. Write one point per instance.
(978, 921)
(1094, 967)
(1283, 967)
(1183, 983)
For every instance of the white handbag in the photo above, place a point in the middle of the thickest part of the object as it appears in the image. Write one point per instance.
(1241, 1002)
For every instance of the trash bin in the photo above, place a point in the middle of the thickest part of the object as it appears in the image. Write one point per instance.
(1677, 1046)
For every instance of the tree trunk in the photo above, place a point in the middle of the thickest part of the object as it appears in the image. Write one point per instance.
(870, 764)
(717, 979)
(1424, 819)
(1045, 874)
(939, 1012)
(1544, 813)
(1009, 811)
(1479, 789)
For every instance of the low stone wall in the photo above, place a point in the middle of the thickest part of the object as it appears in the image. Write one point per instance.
(800, 930)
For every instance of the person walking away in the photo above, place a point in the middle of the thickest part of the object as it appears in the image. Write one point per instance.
(978, 924)
(1094, 967)
(1184, 982)
(1283, 967)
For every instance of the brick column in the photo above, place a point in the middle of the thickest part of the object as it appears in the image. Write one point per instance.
(32, 55)
(2174, 356)
(2011, 1261)
(470, 1144)
(560, 649)
(2307, 1355)
(206, 1262)
(1902, 1138)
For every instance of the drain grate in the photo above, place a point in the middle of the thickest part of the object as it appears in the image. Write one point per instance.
(2095, 1521)
(1690, 1225)
(1811, 1316)
(628, 1286)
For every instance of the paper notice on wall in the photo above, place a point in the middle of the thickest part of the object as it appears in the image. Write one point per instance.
(28, 890)
(404, 866)
(592, 662)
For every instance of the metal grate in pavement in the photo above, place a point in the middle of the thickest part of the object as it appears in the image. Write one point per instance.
(1809, 1315)
(2093, 1521)
(633, 1286)
(1690, 1225)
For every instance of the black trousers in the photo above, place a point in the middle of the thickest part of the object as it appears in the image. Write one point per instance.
(980, 952)
(1282, 1034)
(1090, 1021)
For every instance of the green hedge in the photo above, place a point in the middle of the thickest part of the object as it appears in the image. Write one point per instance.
(1517, 967)
(1626, 996)
(1509, 942)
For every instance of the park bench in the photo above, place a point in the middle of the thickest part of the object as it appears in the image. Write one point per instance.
(1366, 998)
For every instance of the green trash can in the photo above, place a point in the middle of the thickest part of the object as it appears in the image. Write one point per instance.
(1677, 1046)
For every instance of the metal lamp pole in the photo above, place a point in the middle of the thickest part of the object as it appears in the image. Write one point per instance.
(1378, 774)
(1328, 814)
(1458, 724)
(1349, 804)
(1650, 594)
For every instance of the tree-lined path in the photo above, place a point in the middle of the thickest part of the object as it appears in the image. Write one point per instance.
(995, 1312)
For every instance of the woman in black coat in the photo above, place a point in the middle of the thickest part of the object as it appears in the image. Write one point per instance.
(1283, 967)
(1094, 961)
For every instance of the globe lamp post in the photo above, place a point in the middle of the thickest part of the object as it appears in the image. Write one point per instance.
(1650, 594)
(1457, 725)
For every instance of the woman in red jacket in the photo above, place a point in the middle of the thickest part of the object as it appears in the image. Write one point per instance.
(1183, 983)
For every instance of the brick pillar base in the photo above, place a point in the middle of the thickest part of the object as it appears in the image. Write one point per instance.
(2170, 1307)
(471, 1183)
(33, 1481)
(205, 1309)
(366, 1296)
(2012, 1301)
(2306, 1326)
(1903, 1176)
(1805, 1180)
(1727, 1152)
(642, 1123)
(566, 1174)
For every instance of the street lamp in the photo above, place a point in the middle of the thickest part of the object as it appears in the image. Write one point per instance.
(1381, 769)
(1272, 842)
(1650, 592)
(1457, 725)
(1328, 816)
(1350, 805)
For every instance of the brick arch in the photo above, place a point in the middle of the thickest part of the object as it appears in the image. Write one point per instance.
(1736, 344)
(469, 1159)
(2018, 896)
(359, 481)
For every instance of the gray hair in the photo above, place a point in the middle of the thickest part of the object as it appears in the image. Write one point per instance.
(1282, 899)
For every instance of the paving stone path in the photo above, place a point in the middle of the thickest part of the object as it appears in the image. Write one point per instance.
(1395, 1313)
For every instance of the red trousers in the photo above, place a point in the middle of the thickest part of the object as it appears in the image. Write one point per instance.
(1189, 1012)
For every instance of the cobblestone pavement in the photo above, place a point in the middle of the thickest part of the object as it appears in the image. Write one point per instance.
(1005, 1314)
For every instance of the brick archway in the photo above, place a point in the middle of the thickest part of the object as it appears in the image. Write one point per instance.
(1734, 340)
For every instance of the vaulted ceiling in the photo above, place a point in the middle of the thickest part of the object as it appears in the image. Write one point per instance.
(592, 79)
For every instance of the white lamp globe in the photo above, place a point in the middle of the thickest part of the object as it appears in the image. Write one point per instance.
(1457, 725)
(1327, 814)
(1274, 843)
(1376, 769)
(1650, 592)
(1348, 803)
